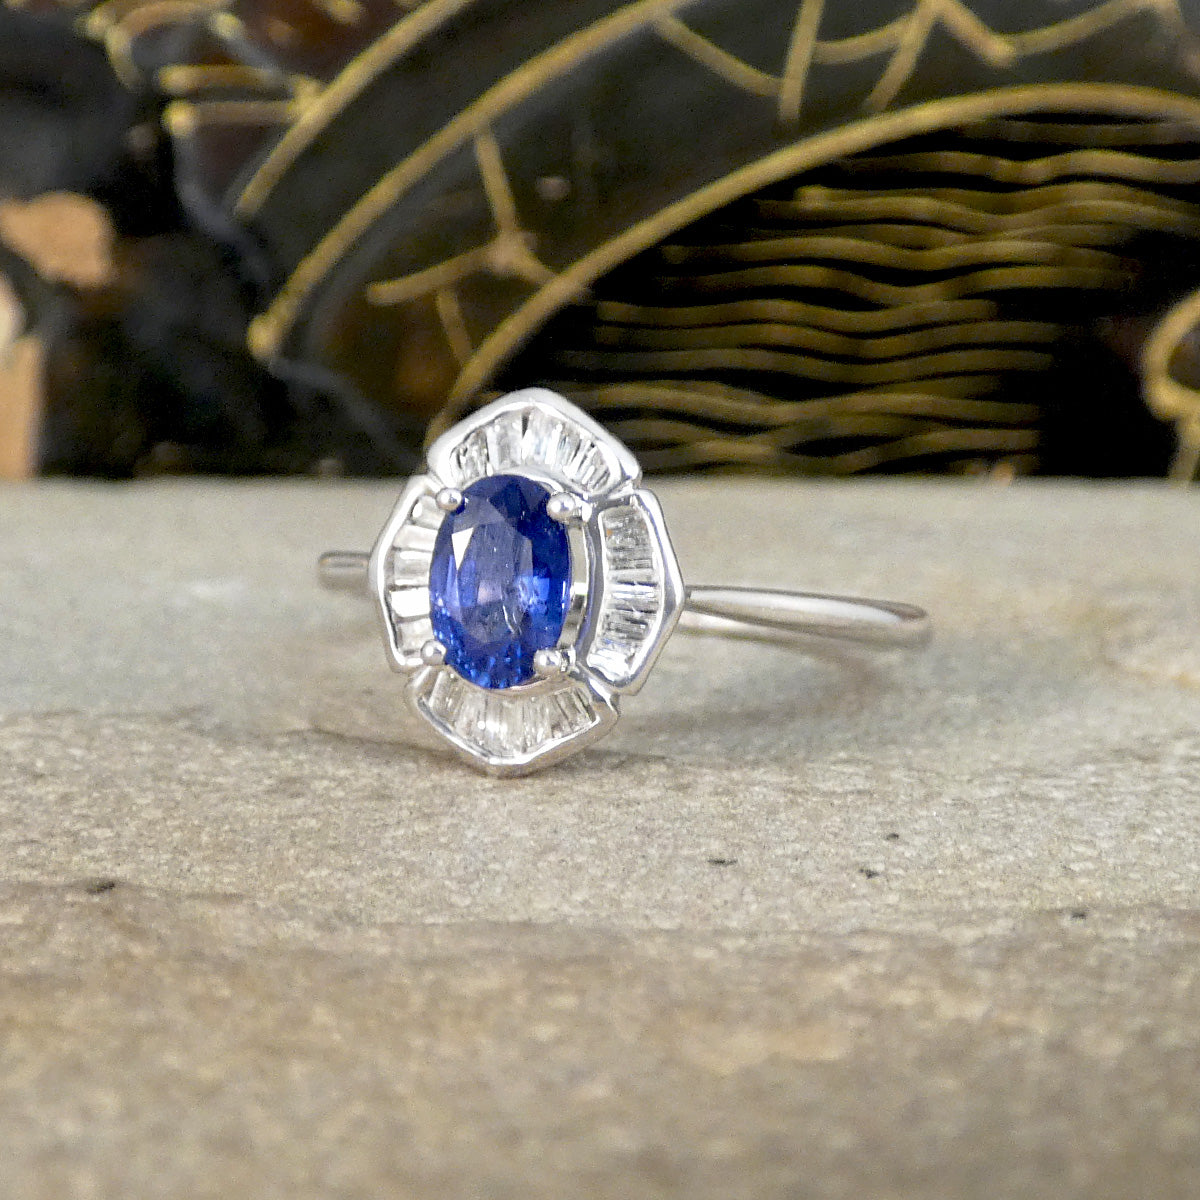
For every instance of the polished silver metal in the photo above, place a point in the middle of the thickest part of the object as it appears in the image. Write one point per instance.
(449, 500)
(626, 591)
(343, 570)
(433, 653)
(567, 509)
(779, 616)
(549, 664)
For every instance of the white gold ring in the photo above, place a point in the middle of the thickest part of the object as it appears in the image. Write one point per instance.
(526, 582)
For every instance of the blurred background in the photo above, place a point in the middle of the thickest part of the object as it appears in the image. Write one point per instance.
(300, 236)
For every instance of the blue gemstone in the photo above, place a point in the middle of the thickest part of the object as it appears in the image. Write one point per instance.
(500, 581)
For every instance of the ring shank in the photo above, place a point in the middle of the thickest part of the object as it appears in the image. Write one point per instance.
(343, 570)
(763, 614)
(771, 615)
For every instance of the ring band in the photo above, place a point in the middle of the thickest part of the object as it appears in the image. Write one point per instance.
(756, 614)
(526, 581)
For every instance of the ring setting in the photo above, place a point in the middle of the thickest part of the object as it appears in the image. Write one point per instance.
(526, 583)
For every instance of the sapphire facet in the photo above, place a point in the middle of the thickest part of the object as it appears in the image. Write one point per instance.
(500, 581)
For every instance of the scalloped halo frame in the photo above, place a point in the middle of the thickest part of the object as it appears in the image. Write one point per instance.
(626, 590)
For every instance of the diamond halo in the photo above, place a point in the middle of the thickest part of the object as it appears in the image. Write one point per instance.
(626, 592)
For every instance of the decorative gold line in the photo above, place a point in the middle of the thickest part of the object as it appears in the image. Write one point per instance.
(1042, 227)
(817, 201)
(801, 46)
(864, 321)
(182, 118)
(157, 12)
(860, 46)
(185, 80)
(511, 252)
(908, 35)
(817, 246)
(1187, 458)
(508, 253)
(344, 12)
(913, 36)
(1119, 133)
(998, 50)
(1104, 233)
(755, 453)
(790, 160)
(763, 333)
(724, 403)
(708, 54)
(806, 366)
(229, 27)
(350, 83)
(875, 292)
(450, 314)
(1035, 171)
(495, 184)
(839, 425)
(955, 385)
(435, 278)
(1073, 30)
(1027, 210)
(1165, 396)
(119, 48)
(267, 330)
(878, 233)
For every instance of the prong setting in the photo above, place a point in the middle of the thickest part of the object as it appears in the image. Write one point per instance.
(449, 500)
(568, 509)
(552, 664)
(433, 653)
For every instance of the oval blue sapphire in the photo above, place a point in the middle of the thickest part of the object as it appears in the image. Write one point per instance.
(500, 581)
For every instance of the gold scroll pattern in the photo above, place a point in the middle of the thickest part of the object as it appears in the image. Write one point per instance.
(898, 45)
(854, 327)
(1003, 252)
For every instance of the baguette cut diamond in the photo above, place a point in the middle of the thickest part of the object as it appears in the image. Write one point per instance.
(499, 582)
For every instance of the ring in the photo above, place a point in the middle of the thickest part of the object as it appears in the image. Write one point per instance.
(526, 582)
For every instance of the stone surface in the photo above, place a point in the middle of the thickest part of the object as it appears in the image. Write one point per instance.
(499, 581)
(835, 926)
